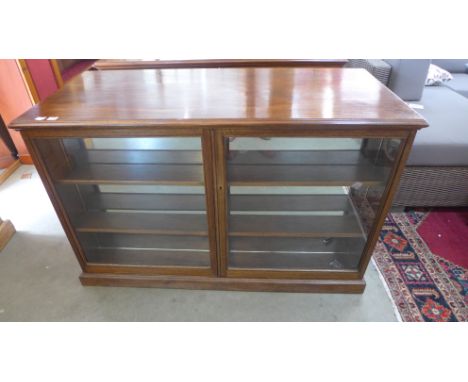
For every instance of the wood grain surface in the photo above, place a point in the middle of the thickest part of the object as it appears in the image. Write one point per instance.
(228, 96)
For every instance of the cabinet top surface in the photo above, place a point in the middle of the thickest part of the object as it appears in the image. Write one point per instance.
(226, 96)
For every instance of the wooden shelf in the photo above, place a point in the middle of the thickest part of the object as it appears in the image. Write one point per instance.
(159, 202)
(302, 168)
(192, 202)
(191, 175)
(148, 257)
(284, 202)
(142, 223)
(296, 261)
(141, 156)
(143, 241)
(308, 245)
(298, 157)
(294, 226)
(304, 175)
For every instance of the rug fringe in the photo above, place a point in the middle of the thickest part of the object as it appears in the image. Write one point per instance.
(387, 289)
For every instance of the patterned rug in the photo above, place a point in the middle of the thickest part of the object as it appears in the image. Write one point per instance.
(424, 286)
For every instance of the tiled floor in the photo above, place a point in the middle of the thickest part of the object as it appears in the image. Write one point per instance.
(39, 281)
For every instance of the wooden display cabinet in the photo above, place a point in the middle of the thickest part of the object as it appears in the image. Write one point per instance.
(273, 179)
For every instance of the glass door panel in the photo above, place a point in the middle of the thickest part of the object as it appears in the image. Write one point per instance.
(133, 201)
(303, 203)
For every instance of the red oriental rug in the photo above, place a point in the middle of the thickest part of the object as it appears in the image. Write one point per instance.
(422, 257)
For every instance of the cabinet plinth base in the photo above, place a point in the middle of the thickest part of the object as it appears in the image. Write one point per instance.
(222, 283)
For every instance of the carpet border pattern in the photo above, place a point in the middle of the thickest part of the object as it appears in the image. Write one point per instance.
(424, 286)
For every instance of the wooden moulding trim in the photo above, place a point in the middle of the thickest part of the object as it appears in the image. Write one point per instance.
(9, 170)
(293, 274)
(210, 191)
(214, 161)
(155, 131)
(215, 63)
(222, 200)
(403, 124)
(7, 230)
(222, 283)
(125, 132)
(319, 131)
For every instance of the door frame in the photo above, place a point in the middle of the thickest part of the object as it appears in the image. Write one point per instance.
(222, 189)
(129, 132)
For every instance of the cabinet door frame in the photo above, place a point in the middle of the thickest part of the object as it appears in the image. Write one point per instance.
(222, 188)
(130, 132)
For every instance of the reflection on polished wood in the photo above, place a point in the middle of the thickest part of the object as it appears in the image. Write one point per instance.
(212, 97)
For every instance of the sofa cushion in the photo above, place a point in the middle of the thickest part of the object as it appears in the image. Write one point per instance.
(459, 83)
(437, 76)
(453, 66)
(445, 141)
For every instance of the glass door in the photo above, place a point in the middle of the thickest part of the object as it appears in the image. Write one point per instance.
(134, 202)
(301, 203)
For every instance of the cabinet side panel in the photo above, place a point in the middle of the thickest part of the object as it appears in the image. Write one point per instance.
(388, 194)
(60, 161)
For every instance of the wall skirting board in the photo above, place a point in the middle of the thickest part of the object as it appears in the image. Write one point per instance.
(10, 170)
(7, 230)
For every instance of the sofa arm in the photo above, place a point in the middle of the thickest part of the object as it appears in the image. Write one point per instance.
(408, 78)
(378, 68)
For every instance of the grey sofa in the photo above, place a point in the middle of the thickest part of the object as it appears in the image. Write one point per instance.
(459, 70)
(404, 77)
(437, 169)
